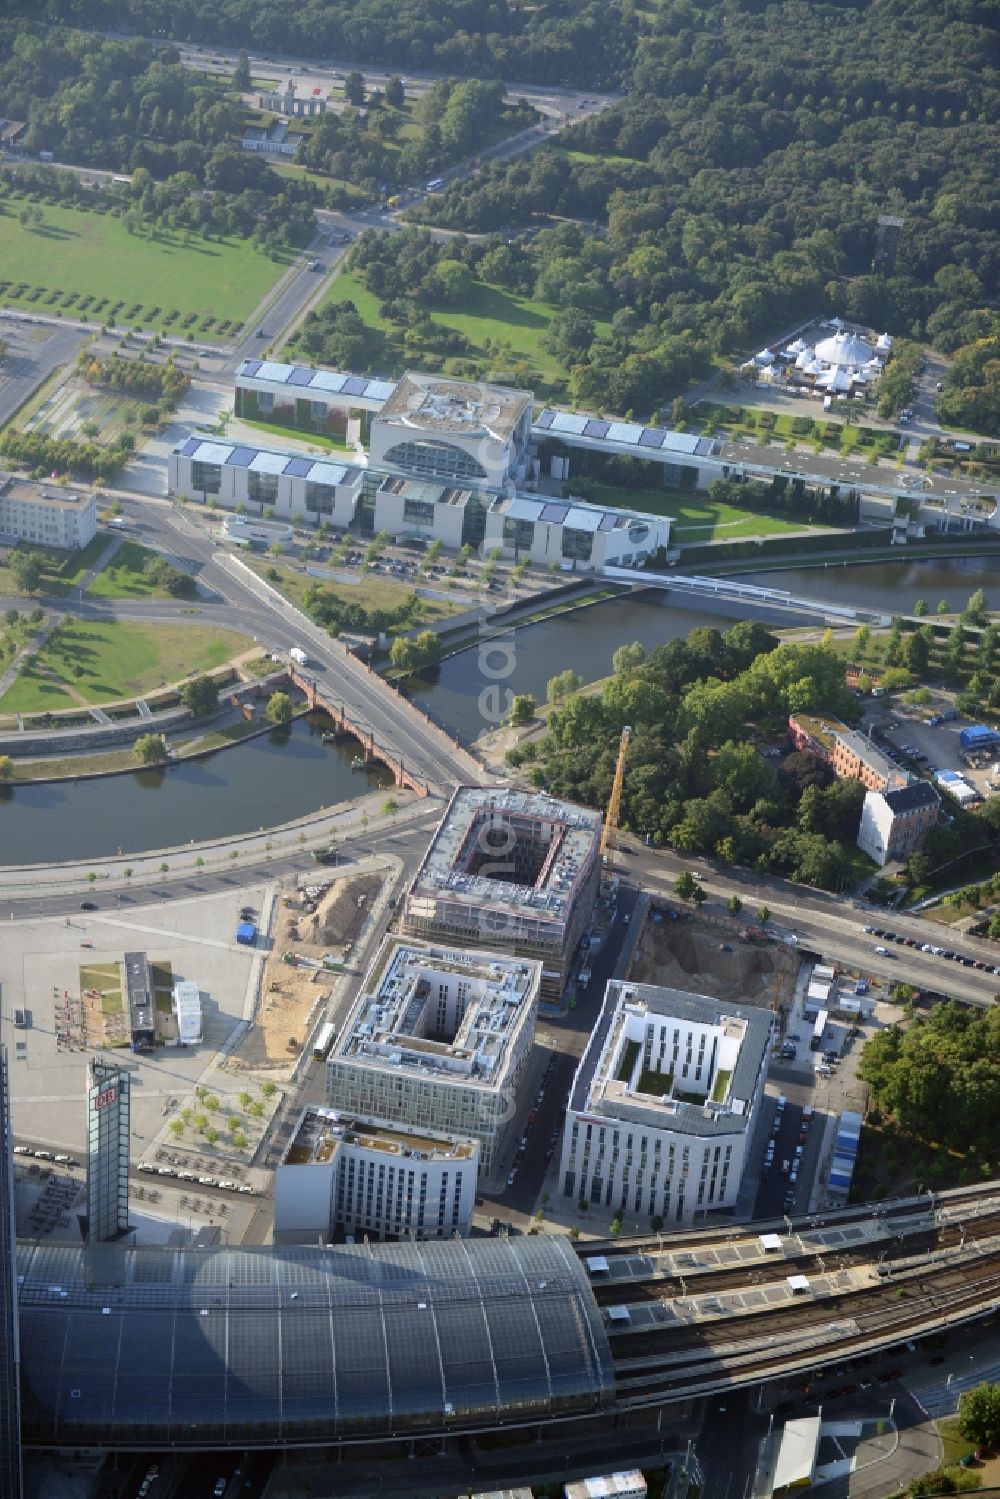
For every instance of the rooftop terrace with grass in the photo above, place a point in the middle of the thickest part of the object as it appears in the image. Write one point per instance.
(673, 1060)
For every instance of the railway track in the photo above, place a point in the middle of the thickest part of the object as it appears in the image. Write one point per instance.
(657, 1365)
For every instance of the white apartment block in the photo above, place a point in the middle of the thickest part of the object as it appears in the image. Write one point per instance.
(360, 1177)
(895, 824)
(47, 515)
(438, 1039)
(626, 1485)
(664, 1103)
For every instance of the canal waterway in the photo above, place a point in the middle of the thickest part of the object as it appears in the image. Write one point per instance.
(272, 779)
(280, 777)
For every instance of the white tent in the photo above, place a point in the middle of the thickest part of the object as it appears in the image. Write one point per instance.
(798, 347)
(884, 342)
(836, 379)
(764, 357)
(844, 348)
(803, 359)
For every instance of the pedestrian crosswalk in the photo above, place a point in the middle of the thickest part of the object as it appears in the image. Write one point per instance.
(939, 1397)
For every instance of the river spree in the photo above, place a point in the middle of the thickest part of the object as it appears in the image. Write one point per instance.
(275, 778)
(585, 640)
(285, 775)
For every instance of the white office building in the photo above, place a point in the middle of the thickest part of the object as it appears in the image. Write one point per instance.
(457, 430)
(46, 513)
(205, 468)
(356, 1176)
(572, 533)
(438, 1039)
(664, 1103)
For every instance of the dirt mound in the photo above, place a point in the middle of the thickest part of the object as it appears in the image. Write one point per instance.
(341, 913)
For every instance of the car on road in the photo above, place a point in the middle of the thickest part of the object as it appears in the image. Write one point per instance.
(883, 952)
(88, 905)
(511, 1177)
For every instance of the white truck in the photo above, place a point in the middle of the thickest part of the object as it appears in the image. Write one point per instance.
(299, 656)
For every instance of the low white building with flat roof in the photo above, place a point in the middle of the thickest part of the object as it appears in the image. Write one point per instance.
(362, 1177)
(186, 1005)
(514, 871)
(664, 1103)
(204, 467)
(573, 533)
(626, 1485)
(438, 1039)
(47, 514)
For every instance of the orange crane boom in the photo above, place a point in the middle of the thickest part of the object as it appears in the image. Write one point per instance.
(615, 799)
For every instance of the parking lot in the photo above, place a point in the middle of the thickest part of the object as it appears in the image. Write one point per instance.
(920, 741)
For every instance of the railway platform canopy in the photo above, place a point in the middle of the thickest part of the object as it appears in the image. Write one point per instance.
(126, 1347)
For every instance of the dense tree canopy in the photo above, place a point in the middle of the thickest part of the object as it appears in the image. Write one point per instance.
(694, 779)
(939, 1078)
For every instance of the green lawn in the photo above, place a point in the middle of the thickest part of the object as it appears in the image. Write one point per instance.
(54, 580)
(123, 578)
(102, 662)
(490, 313)
(303, 174)
(371, 590)
(92, 255)
(317, 439)
(696, 517)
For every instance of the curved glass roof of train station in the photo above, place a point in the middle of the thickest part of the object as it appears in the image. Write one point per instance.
(208, 1347)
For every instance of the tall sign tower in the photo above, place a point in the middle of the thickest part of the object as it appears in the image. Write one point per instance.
(10, 1404)
(107, 1150)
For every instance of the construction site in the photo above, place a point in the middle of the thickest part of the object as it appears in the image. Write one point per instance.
(315, 930)
(716, 955)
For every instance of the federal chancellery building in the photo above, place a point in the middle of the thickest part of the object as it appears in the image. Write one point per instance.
(433, 459)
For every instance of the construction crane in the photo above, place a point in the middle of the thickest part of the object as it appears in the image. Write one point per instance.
(615, 799)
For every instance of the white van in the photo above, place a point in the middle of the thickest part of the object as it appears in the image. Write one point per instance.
(435, 185)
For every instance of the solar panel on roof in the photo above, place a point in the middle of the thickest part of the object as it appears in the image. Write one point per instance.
(188, 446)
(380, 390)
(583, 520)
(354, 386)
(609, 522)
(568, 421)
(242, 457)
(596, 428)
(651, 437)
(212, 452)
(554, 512)
(328, 473)
(626, 432)
(545, 419)
(276, 373)
(298, 468)
(331, 380)
(269, 463)
(249, 367)
(681, 442)
(299, 376)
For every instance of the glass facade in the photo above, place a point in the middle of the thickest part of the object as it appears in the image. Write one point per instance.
(302, 1346)
(107, 1151)
(207, 477)
(262, 489)
(10, 1421)
(435, 460)
(320, 498)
